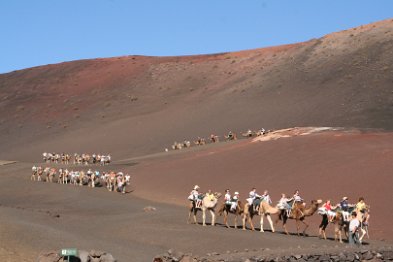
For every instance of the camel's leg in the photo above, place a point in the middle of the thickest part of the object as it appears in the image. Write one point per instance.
(203, 217)
(284, 225)
(235, 221)
(262, 215)
(213, 217)
(297, 227)
(340, 236)
(226, 219)
(269, 218)
(195, 220)
(305, 228)
(244, 221)
(251, 224)
(189, 217)
(363, 233)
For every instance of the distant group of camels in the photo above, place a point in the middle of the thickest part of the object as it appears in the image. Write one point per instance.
(113, 181)
(215, 138)
(78, 159)
(299, 212)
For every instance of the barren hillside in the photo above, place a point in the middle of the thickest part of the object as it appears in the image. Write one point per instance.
(142, 104)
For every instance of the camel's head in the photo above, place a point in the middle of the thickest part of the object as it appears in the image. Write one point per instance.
(217, 194)
(316, 202)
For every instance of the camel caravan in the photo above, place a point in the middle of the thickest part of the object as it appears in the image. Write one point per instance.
(78, 159)
(200, 141)
(113, 181)
(350, 219)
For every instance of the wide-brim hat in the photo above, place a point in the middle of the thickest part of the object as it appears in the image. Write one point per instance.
(196, 187)
(345, 198)
(236, 193)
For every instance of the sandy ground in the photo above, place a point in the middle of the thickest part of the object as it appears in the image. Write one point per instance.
(43, 216)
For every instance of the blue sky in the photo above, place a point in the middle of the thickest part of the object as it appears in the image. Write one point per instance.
(39, 32)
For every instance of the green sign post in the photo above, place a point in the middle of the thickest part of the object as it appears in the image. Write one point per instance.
(67, 252)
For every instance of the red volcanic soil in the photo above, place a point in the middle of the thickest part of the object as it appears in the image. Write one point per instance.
(327, 165)
(143, 104)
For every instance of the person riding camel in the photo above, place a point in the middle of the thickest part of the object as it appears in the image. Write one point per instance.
(195, 196)
(254, 199)
(234, 201)
(210, 195)
(297, 199)
(363, 209)
(227, 198)
(283, 204)
(344, 205)
(328, 208)
(266, 197)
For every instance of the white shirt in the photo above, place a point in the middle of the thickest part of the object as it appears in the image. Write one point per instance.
(267, 199)
(297, 198)
(253, 195)
(227, 197)
(354, 224)
(195, 194)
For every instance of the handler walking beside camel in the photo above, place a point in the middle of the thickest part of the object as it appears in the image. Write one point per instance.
(353, 228)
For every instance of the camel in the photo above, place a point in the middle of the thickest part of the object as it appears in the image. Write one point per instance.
(186, 143)
(34, 172)
(65, 177)
(177, 146)
(111, 181)
(208, 203)
(340, 225)
(105, 160)
(214, 138)
(226, 210)
(39, 174)
(200, 141)
(299, 212)
(249, 133)
(51, 175)
(230, 136)
(264, 210)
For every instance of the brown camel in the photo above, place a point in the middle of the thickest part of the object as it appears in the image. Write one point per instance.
(264, 210)
(299, 212)
(340, 226)
(209, 202)
(226, 210)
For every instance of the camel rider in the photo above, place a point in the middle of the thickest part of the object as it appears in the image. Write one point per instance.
(283, 204)
(195, 196)
(328, 208)
(254, 199)
(362, 208)
(210, 195)
(297, 199)
(344, 205)
(266, 197)
(234, 201)
(230, 135)
(249, 132)
(227, 198)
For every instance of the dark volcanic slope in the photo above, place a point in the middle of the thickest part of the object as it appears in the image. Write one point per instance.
(143, 104)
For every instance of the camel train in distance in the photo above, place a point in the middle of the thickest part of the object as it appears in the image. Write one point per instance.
(246, 211)
(78, 159)
(215, 138)
(113, 181)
